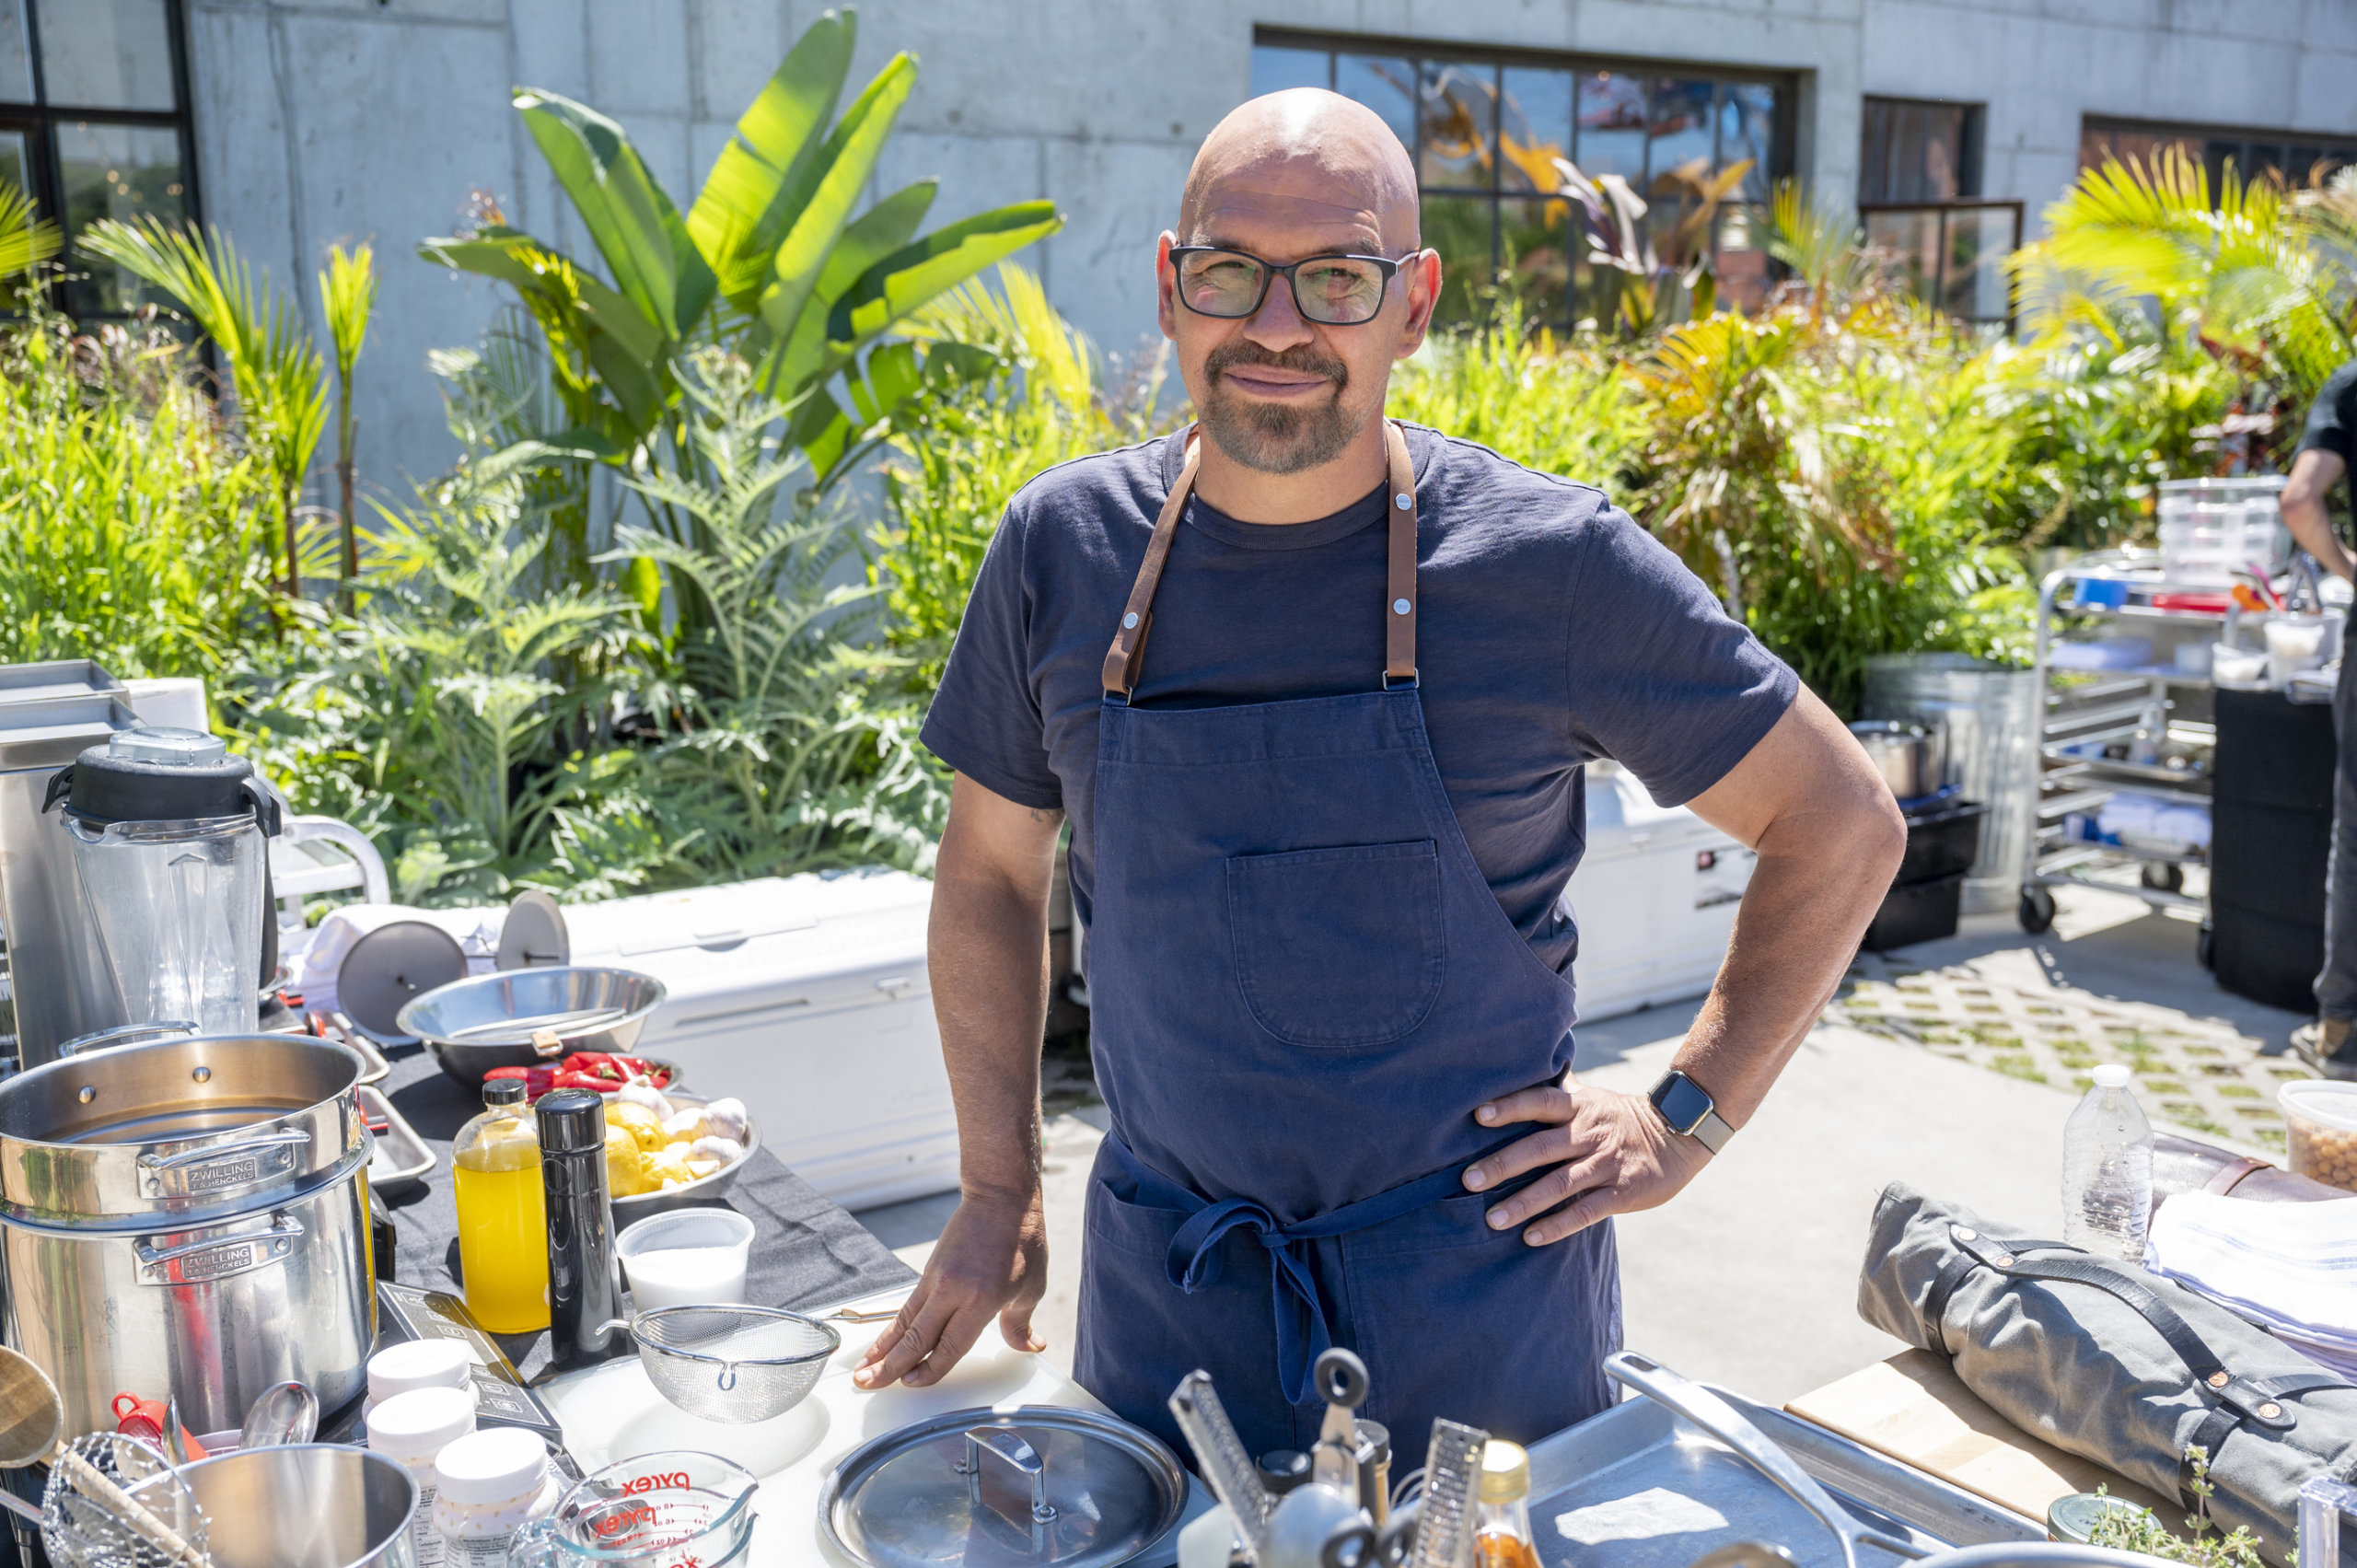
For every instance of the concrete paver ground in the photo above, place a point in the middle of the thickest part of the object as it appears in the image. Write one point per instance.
(1750, 1277)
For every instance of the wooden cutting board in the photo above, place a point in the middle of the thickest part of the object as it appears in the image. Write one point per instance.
(1915, 1408)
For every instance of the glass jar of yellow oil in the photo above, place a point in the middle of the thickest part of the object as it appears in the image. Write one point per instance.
(502, 1227)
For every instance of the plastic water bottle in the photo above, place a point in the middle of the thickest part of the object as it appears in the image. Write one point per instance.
(2108, 1171)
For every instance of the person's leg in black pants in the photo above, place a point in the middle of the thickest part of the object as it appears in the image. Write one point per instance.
(2325, 1044)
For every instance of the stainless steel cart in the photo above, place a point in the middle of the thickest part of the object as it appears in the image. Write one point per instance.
(2096, 707)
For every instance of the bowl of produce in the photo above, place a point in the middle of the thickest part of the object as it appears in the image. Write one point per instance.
(686, 1150)
(529, 1017)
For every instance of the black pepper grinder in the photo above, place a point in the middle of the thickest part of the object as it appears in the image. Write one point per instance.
(585, 1274)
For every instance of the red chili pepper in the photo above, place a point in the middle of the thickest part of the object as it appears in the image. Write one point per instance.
(565, 1080)
(537, 1081)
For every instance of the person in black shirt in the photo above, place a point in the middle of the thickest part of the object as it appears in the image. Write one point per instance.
(2329, 451)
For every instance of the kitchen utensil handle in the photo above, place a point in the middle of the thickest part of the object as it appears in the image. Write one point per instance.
(156, 1167)
(19, 1507)
(992, 1447)
(96, 1483)
(284, 1230)
(1724, 1421)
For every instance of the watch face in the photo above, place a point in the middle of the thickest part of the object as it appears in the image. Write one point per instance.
(1681, 1102)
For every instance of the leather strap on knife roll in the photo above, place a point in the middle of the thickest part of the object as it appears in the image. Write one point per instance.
(1126, 657)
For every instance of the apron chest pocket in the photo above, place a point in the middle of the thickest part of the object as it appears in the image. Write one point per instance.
(1339, 946)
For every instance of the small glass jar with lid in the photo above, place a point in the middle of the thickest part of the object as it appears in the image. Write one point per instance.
(488, 1485)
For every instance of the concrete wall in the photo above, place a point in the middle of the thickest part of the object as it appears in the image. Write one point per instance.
(325, 119)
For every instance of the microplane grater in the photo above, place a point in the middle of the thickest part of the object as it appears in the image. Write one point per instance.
(1452, 1467)
(1226, 1466)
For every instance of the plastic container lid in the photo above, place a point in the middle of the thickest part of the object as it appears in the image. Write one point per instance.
(419, 1364)
(2111, 1075)
(484, 1468)
(415, 1426)
(2320, 1100)
(1506, 1471)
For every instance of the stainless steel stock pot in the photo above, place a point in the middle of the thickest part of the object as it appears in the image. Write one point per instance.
(189, 1217)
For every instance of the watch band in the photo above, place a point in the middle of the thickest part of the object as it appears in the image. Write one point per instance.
(1689, 1109)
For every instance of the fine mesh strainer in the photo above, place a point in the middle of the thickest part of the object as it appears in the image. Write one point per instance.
(736, 1365)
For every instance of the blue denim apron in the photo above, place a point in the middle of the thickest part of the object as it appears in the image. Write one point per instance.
(1301, 986)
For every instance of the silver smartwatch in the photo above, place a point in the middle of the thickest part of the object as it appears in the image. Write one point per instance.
(1689, 1109)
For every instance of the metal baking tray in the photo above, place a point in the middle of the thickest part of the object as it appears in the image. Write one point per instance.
(1638, 1487)
(401, 1156)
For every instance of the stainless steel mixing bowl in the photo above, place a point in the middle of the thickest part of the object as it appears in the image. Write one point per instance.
(475, 1025)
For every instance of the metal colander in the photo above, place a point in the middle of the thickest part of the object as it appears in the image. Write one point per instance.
(736, 1365)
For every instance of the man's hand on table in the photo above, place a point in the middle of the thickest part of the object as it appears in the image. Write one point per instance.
(1611, 1152)
(991, 1260)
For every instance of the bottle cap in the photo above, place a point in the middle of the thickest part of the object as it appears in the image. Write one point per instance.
(502, 1091)
(2111, 1075)
(1506, 1471)
(419, 1364)
(489, 1466)
(1281, 1470)
(413, 1427)
(572, 1120)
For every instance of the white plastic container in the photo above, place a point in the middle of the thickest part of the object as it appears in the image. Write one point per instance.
(689, 1257)
(2295, 642)
(805, 997)
(487, 1486)
(410, 1428)
(1654, 898)
(419, 1364)
(2107, 1169)
(2321, 1117)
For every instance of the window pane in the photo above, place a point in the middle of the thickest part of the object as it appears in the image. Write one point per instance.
(1274, 70)
(1387, 87)
(1739, 258)
(1459, 228)
(1682, 131)
(16, 55)
(1612, 126)
(1747, 132)
(1456, 127)
(1534, 128)
(116, 171)
(1979, 240)
(16, 162)
(106, 54)
(1535, 252)
(1910, 245)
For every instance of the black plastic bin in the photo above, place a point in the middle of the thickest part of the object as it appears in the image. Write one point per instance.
(1916, 912)
(2271, 835)
(1941, 841)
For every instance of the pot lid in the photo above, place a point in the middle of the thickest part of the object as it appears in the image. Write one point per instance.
(158, 775)
(533, 934)
(399, 960)
(1040, 1486)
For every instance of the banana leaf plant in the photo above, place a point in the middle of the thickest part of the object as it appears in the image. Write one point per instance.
(773, 262)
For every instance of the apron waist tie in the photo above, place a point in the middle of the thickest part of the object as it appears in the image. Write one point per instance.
(1193, 1261)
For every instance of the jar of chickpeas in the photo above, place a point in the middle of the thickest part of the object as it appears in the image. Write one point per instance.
(2320, 1122)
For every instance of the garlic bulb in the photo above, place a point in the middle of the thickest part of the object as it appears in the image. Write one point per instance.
(638, 1091)
(725, 1150)
(685, 1126)
(725, 1119)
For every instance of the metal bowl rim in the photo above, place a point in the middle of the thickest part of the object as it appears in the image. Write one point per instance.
(407, 1019)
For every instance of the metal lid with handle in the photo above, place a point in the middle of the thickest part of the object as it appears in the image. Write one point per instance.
(1041, 1486)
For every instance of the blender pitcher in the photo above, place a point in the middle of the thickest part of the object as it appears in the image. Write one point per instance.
(168, 833)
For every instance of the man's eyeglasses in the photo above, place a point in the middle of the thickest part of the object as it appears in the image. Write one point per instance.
(1334, 291)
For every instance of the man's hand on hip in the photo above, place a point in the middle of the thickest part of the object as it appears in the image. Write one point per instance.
(991, 1260)
(1610, 1152)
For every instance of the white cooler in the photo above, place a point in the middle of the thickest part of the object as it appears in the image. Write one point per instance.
(1654, 898)
(807, 998)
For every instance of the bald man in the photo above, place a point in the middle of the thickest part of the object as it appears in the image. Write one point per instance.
(1322, 819)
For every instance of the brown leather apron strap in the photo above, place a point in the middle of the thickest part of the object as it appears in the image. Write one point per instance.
(1400, 597)
(1127, 656)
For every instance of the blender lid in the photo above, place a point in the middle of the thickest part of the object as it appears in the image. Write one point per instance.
(157, 776)
(1040, 1486)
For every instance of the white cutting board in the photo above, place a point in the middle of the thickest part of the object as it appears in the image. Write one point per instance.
(612, 1412)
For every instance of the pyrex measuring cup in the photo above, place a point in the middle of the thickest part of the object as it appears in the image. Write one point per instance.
(674, 1509)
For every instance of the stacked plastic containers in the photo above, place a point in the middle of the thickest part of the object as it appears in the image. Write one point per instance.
(2212, 529)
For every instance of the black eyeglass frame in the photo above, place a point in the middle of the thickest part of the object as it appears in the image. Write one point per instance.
(1270, 272)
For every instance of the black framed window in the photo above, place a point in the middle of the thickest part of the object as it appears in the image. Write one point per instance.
(1485, 126)
(1918, 190)
(1918, 150)
(2289, 155)
(94, 123)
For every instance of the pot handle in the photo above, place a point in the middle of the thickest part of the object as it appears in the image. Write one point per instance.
(206, 1169)
(217, 1257)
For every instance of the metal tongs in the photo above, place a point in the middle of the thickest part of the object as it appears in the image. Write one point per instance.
(1726, 1424)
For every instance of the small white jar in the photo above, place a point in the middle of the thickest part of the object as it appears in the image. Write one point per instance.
(417, 1364)
(410, 1428)
(487, 1486)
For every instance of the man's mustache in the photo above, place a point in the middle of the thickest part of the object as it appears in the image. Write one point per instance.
(1305, 360)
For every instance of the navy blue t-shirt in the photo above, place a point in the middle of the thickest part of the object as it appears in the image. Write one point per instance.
(1551, 630)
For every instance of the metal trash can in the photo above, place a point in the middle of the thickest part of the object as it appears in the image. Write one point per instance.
(1990, 715)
